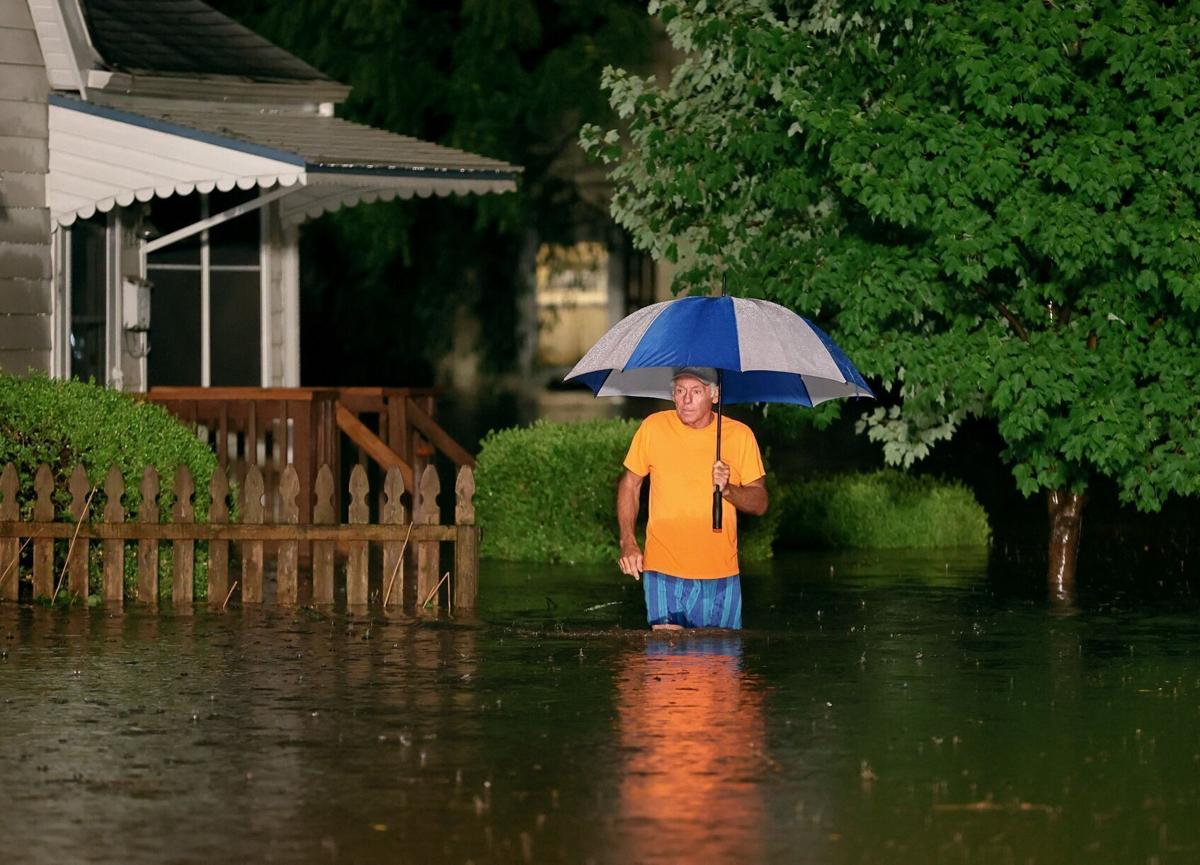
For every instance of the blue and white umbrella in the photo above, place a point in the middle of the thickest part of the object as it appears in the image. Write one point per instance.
(764, 352)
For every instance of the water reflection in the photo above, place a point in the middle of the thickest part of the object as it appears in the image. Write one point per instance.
(692, 734)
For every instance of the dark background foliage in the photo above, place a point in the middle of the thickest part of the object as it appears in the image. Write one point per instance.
(385, 285)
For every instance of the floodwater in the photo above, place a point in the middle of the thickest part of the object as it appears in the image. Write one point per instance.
(898, 708)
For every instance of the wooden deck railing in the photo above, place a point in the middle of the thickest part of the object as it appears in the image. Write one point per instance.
(415, 540)
(271, 427)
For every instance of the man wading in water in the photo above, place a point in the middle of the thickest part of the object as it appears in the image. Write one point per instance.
(689, 571)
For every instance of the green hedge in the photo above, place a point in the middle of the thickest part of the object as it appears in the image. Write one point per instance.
(884, 509)
(547, 493)
(64, 423)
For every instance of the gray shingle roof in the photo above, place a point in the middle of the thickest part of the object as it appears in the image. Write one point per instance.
(329, 142)
(186, 37)
(302, 137)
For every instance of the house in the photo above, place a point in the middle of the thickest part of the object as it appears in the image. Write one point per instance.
(157, 160)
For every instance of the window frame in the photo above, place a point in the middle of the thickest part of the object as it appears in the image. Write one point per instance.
(206, 268)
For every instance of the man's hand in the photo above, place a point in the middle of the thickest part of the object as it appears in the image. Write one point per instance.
(720, 475)
(631, 559)
(750, 498)
(629, 490)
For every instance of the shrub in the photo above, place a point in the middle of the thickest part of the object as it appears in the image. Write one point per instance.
(64, 423)
(547, 493)
(884, 509)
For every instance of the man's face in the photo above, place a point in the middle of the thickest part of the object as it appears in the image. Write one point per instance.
(693, 401)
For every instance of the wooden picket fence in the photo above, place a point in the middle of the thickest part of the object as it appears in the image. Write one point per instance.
(409, 546)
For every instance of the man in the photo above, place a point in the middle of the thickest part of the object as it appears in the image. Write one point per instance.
(689, 572)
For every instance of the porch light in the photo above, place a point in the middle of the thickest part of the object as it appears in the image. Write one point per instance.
(135, 312)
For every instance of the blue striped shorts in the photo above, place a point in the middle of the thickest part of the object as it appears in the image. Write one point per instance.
(693, 603)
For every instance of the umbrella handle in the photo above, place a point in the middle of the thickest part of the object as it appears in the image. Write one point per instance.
(718, 508)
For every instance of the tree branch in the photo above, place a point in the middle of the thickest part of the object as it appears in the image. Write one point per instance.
(1017, 327)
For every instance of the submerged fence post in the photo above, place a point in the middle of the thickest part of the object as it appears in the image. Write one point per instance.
(466, 543)
(287, 579)
(322, 551)
(147, 586)
(218, 551)
(10, 548)
(392, 514)
(356, 564)
(185, 549)
(426, 514)
(77, 548)
(43, 548)
(113, 586)
(252, 551)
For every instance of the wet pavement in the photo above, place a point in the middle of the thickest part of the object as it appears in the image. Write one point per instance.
(894, 708)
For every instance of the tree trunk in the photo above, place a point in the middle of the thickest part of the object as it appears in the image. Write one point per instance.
(1066, 522)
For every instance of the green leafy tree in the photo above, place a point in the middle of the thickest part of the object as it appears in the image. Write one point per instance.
(385, 284)
(992, 206)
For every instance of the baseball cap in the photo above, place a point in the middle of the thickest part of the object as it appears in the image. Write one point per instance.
(706, 374)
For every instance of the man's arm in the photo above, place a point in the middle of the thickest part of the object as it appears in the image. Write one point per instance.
(749, 498)
(629, 498)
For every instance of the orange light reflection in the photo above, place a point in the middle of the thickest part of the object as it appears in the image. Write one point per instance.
(692, 732)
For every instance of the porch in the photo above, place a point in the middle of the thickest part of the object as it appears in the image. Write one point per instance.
(378, 428)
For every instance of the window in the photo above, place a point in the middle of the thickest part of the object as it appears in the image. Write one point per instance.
(572, 275)
(88, 287)
(206, 322)
(572, 300)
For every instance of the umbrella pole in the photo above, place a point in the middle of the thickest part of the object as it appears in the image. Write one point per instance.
(718, 505)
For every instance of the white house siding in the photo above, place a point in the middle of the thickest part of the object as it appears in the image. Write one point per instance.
(25, 268)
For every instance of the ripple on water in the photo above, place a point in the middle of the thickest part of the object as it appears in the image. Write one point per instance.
(878, 708)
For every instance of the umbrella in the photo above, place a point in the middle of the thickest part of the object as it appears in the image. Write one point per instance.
(763, 352)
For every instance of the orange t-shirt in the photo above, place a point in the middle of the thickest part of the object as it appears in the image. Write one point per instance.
(680, 541)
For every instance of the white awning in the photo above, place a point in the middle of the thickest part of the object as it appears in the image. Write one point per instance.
(103, 156)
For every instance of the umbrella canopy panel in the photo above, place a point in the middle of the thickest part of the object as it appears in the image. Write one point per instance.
(767, 353)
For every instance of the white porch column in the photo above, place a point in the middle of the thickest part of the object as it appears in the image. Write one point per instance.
(289, 283)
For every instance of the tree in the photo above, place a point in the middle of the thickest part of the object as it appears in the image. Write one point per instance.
(992, 206)
(509, 79)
